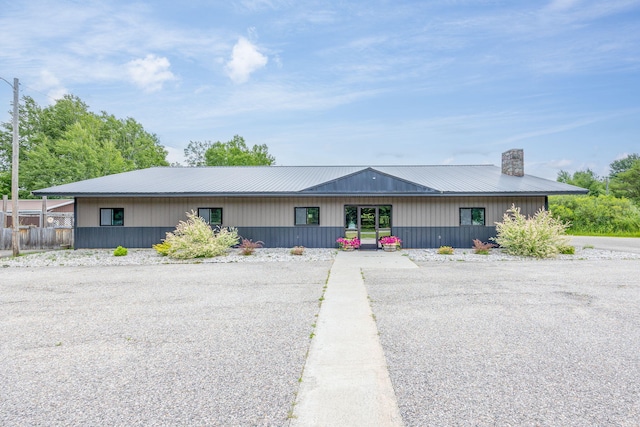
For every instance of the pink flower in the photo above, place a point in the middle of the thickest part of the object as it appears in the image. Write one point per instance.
(390, 240)
(348, 243)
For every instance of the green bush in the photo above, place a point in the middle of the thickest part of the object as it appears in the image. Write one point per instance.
(539, 236)
(567, 250)
(596, 215)
(162, 248)
(445, 250)
(194, 238)
(120, 251)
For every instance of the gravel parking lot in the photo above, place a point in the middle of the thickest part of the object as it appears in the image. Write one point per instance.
(195, 344)
(512, 343)
(92, 339)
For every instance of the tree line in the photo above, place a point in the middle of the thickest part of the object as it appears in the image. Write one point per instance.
(612, 205)
(65, 142)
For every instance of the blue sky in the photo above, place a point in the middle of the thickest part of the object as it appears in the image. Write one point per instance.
(347, 82)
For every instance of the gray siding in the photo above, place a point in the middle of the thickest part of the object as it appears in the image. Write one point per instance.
(421, 222)
(145, 237)
(288, 237)
(434, 237)
(112, 237)
(369, 181)
(285, 237)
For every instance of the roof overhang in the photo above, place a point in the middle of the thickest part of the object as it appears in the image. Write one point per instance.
(342, 194)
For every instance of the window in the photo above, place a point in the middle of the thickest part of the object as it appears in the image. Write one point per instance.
(307, 216)
(111, 216)
(471, 216)
(212, 216)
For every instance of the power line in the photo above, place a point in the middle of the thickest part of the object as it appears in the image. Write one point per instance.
(30, 89)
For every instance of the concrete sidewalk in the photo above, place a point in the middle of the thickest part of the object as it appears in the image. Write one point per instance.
(345, 380)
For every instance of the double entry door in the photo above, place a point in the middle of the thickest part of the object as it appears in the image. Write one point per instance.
(368, 223)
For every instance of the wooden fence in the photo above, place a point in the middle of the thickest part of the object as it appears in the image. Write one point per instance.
(38, 238)
(57, 231)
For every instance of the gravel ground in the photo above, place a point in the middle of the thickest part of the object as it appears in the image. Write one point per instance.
(102, 257)
(93, 257)
(180, 344)
(517, 343)
(419, 255)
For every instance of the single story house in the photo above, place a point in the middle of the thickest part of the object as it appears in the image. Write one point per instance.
(311, 206)
(31, 211)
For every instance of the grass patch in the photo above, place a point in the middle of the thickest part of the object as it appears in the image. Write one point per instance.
(593, 234)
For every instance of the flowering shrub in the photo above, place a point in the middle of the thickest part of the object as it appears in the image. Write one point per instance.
(194, 238)
(540, 236)
(345, 243)
(391, 240)
(248, 246)
(482, 248)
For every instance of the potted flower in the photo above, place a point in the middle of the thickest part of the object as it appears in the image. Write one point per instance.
(348, 244)
(390, 243)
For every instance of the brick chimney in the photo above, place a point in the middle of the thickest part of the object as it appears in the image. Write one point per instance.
(513, 162)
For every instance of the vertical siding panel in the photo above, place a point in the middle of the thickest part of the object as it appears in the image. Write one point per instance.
(440, 213)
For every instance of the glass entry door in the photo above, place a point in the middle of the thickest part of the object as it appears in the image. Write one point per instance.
(368, 223)
(368, 228)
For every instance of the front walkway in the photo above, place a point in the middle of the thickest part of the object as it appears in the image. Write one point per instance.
(345, 380)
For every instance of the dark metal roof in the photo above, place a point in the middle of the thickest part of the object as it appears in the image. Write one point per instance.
(312, 180)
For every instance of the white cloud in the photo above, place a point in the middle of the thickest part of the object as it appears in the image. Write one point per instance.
(50, 83)
(150, 73)
(245, 59)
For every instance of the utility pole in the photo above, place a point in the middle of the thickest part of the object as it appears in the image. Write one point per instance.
(15, 215)
(15, 235)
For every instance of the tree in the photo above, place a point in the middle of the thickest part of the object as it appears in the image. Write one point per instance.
(236, 153)
(77, 155)
(5, 182)
(627, 183)
(600, 215)
(139, 148)
(584, 179)
(194, 153)
(623, 164)
(65, 142)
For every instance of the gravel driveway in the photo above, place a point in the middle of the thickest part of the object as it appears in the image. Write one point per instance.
(196, 344)
(512, 343)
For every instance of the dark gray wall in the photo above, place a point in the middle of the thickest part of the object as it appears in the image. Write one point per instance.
(370, 182)
(112, 237)
(285, 237)
(434, 237)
